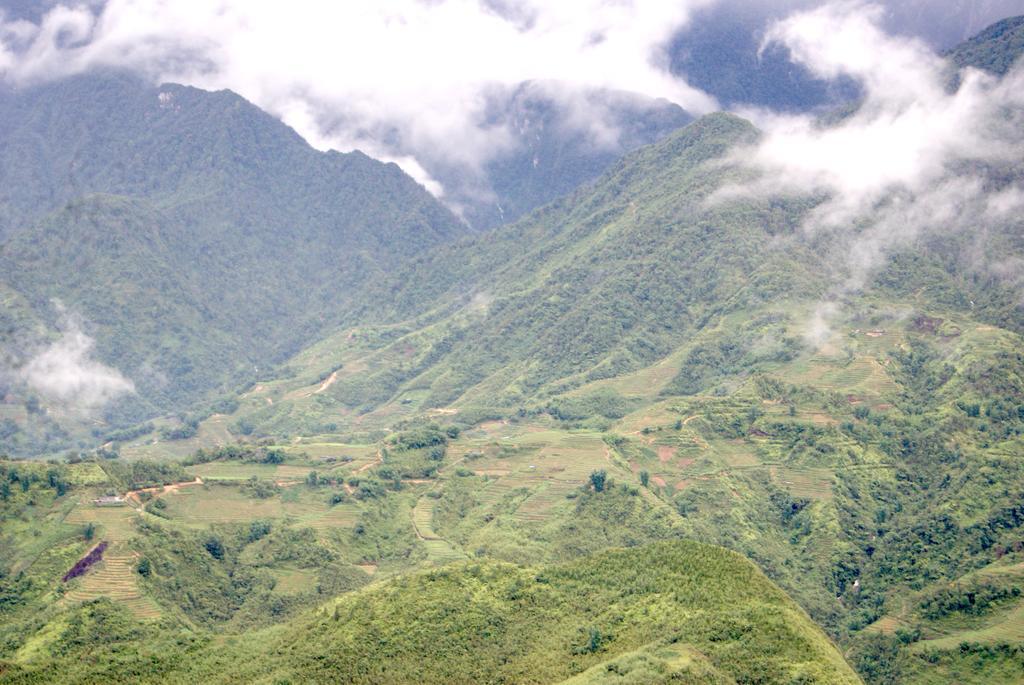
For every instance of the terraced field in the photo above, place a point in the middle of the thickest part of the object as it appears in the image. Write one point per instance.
(543, 464)
(235, 470)
(813, 484)
(291, 581)
(442, 552)
(1005, 627)
(544, 499)
(862, 376)
(86, 473)
(115, 524)
(439, 550)
(342, 516)
(201, 506)
(115, 577)
(423, 517)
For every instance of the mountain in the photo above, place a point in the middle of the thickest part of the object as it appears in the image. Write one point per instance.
(995, 49)
(720, 53)
(598, 284)
(196, 236)
(959, 21)
(559, 139)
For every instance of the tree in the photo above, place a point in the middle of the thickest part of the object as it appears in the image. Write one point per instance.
(258, 529)
(90, 531)
(312, 479)
(597, 479)
(144, 568)
(214, 547)
(645, 478)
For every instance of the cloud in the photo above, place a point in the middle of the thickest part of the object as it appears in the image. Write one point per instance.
(917, 156)
(64, 372)
(399, 79)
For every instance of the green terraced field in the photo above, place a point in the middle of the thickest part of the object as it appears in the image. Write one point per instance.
(233, 470)
(204, 505)
(338, 516)
(116, 524)
(814, 484)
(114, 577)
(1005, 627)
(442, 552)
(292, 581)
(422, 518)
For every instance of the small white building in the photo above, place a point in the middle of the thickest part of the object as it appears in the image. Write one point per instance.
(109, 501)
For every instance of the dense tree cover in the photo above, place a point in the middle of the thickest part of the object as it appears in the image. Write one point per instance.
(199, 238)
(144, 473)
(251, 454)
(995, 49)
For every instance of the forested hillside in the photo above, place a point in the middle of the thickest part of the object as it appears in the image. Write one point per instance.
(995, 49)
(197, 238)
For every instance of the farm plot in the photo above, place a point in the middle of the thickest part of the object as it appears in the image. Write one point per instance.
(236, 470)
(204, 505)
(115, 578)
(1006, 627)
(86, 473)
(439, 550)
(115, 524)
(861, 376)
(813, 484)
(338, 516)
(322, 448)
(553, 465)
(292, 581)
(543, 500)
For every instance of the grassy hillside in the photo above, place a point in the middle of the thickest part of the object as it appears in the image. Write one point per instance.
(688, 612)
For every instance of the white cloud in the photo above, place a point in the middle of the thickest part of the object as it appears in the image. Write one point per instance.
(910, 160)
(65, 372)
(394, 78)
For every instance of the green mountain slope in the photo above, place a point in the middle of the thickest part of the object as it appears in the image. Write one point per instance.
(682, 611)
(995, 49)
(198, 237)
(604, 282)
